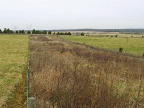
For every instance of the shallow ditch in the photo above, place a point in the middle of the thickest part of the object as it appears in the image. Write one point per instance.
(18, 97)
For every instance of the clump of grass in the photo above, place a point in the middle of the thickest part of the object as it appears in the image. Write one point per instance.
(120, 50)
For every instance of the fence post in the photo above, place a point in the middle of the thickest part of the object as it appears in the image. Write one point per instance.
(28, 82)
(31, 102)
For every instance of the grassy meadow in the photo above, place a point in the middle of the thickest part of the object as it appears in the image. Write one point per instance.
(114, 34)
(70, 75)
(13, 60)
(134, 46)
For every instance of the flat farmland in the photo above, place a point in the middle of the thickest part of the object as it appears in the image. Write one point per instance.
(13, 61)
(114, 34)
(66, 74)
(134, 46)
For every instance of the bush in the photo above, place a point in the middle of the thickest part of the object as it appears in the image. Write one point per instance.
(49, 32)
(120, 50)
(82, 34)
(28, 32)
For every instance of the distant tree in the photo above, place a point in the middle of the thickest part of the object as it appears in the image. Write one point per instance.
(0, 31)
(28, 32)
(65, 33)
(44, 32)
(5, 31)
(49, 32)
(22, 32)
(38, 32)
(12, 31)
(8, 31)
(69, 33)
(82, 34)
(61, 33)
(16, 32)
(54, 33)
(33, 32)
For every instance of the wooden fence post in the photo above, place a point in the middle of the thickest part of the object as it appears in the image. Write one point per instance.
(31, 102)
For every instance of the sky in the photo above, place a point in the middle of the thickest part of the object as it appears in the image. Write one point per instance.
(71, 14)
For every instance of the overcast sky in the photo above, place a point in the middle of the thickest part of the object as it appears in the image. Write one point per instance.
(71, 14)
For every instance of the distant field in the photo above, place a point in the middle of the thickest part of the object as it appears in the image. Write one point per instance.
(114, 34)
(91, 33)
(13, 59)
(133, 46)
(70, 75)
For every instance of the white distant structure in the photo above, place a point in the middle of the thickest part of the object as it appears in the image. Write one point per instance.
(14, 27)
(29, 28)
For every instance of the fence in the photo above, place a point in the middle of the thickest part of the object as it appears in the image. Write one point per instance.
(31, 101)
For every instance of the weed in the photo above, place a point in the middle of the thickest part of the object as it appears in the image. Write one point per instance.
(82, 76)
(120, 50)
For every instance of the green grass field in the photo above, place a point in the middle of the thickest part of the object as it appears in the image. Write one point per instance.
(114, 34)
(133, 46)
(13, 59)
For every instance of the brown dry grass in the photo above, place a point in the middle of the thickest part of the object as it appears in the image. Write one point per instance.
(65, 76)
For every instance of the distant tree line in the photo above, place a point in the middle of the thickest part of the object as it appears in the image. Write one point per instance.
(39, 32)
(112, 30)
(8, 31)
(61, 33)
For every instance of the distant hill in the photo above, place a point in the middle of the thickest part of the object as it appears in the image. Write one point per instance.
(102, 30)
(121, 31)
